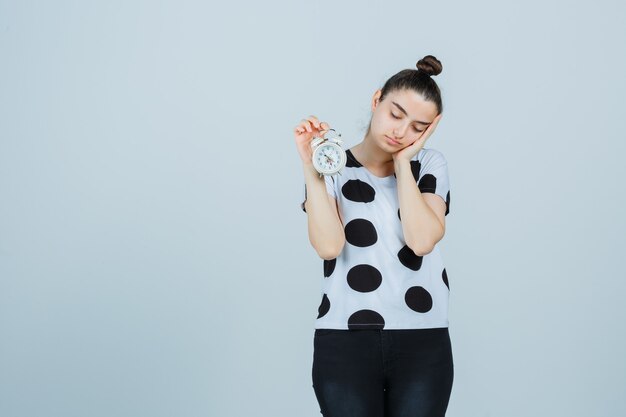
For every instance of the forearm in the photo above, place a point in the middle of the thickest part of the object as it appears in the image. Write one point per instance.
(420, 225)
(325, 229)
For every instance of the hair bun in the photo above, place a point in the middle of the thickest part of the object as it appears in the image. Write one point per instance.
(429, 65)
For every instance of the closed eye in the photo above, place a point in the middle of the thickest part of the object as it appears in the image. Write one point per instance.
(414, 128)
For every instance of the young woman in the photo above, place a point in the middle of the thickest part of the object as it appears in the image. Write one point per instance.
(381, 343)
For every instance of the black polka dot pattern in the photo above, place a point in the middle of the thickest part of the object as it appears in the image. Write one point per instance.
(366, 319)
(408, 258)
(360, 232)
(415, 169)
(418, 299)
(364, 278)
(373, 264)
(358, 191)
(329, 267)
(428, 184)
(324, 307)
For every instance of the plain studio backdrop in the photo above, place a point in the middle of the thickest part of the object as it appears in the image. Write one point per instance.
(154, 258)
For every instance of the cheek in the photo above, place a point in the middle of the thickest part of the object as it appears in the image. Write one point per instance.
(380, 123)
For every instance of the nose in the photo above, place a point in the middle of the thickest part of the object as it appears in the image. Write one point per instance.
(397, 133)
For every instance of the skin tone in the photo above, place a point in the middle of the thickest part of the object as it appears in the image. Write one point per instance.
(376, 152)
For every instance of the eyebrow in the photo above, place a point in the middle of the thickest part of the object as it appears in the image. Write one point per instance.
(404, 111)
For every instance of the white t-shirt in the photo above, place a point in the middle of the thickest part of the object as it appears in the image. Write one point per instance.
(377, 281)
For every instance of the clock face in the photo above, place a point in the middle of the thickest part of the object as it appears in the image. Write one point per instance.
(328, 157)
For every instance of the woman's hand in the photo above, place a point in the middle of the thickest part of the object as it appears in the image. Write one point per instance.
(406, 154)
(304, 133)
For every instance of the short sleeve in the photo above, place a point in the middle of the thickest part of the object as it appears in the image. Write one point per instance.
(434, 177)
(329, 180)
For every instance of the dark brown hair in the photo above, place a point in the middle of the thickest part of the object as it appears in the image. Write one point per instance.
(419, 80)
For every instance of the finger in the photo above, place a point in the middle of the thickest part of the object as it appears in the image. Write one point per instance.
(436, 121)
(432, 126)
(307, 125)
(425, 135)
(325, 128)
(314, 120)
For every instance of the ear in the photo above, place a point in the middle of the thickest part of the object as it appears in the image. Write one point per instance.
(375, 99)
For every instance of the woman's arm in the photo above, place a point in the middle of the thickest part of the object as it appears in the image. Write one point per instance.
(422, 224)
(326, 232)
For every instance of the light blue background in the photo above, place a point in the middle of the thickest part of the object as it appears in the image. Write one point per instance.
(154, 259)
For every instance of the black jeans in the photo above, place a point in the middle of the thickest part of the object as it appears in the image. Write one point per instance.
(382, 373)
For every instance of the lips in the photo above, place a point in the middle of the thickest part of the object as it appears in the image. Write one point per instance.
(394, 142)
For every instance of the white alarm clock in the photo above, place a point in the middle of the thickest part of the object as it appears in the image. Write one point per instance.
(329, 157)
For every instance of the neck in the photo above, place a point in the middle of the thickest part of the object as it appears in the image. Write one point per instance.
(372, 156)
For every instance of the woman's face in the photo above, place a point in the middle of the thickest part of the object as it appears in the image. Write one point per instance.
(396, 120)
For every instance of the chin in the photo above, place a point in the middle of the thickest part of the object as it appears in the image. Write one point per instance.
(387, 147)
